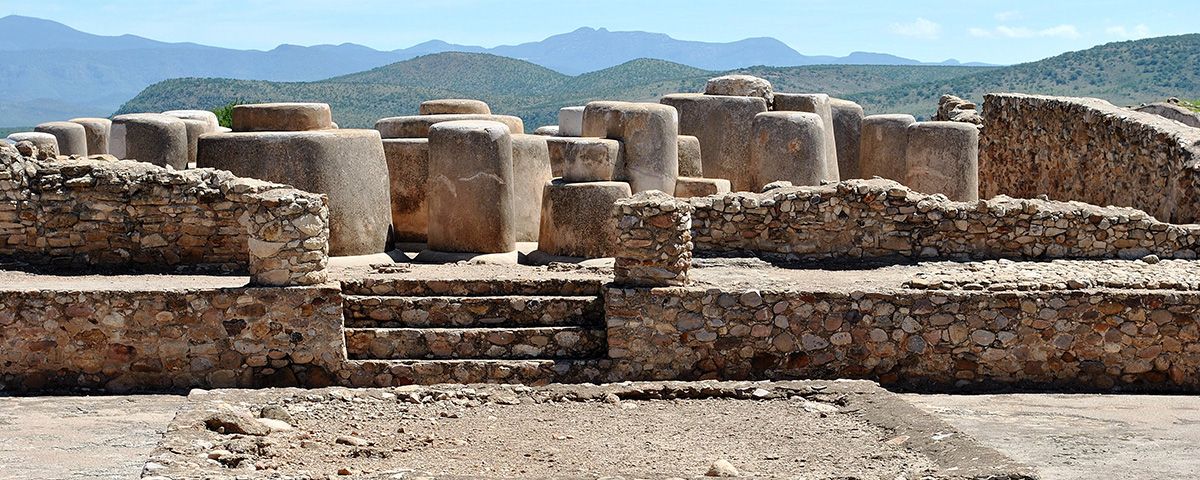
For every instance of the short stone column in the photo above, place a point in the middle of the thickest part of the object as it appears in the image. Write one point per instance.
(817, 103)
(577, 218)
(152, 138)
(471, 188)
(282, 117)
(72, 138)
(648, 134)
(408, 170)
(724, 127)
(691, 163)
(585, 159)
(570, 121)
(943, 157)
(847, 134)
(789, 146)
(450, 106)
(884, 139)
(654, 240)
(96, 132)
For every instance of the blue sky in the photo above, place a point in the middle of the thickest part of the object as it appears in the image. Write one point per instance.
(968, 30)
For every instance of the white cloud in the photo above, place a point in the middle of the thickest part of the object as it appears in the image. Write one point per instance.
(1005, 31)
(1132, 33)
(1007, 16)
(919, 28)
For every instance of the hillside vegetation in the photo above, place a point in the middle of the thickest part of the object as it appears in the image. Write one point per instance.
(1123, 73)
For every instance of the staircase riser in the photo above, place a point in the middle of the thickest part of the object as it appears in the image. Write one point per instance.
(470, 288)
(442, 312)
(539, 343)
(387, 373)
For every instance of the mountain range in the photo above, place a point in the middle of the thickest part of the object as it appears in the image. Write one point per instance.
(54, 71)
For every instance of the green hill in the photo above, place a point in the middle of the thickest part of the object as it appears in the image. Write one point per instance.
(1123, 73)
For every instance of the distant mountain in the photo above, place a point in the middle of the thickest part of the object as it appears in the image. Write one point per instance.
(510, 86)
(1124, 73)
(56, 70)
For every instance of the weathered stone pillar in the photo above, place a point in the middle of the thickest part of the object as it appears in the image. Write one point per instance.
(471, 188)
(585, 159)
(884, 139)
(348, 165)
(691, 163)
(408, 170)
(96, 131)
(789, 146)
(817, 103)
(943, 157)
(654, 240)
(847, 134)
(531, 173)
(45, 142)
(724, 127)
(154, 138)
(577, 218)
(282, 117)
(570, 121)
(71, 137)
(452, 106)
(648, 134)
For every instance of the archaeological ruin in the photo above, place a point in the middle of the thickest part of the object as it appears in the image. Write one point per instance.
(738, 233)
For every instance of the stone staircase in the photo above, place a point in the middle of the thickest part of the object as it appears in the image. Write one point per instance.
(400, 331)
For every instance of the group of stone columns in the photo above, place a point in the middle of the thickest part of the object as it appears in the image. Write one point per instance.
(928, 157)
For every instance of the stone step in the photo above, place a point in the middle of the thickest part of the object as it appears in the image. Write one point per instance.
(410, 287)
(477, 312)
(475, 343)
(388, 373)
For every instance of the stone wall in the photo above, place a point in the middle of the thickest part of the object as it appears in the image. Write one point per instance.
(653, 246)
(1089, 150)
(1092, 340)
(864, 219)
(129, 215)
(169, 338)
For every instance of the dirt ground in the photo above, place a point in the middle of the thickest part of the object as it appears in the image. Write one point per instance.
(765, 430)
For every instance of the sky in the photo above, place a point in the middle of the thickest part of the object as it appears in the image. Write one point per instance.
(1002, 32)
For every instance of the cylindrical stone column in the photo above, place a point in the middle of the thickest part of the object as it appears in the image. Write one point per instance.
(691, 163)
(648, 134)
(531, 173)
(943, 157)
(408, 169)
(789, 146)
(71, 137)
(444, 106)
(817, 103)
(724, 126)
(882, 147)
(584, 159)
(577, 218)
(847, 132)
(155, 138)
(195, 128)
(44, 142)
(471, 188)
(282, 117)
(97, 132)
(570, 121)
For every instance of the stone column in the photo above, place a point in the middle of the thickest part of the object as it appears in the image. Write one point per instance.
(96, 130)
(648, 134)
(724, 126)
(471, 188)
(585, 159)
(847, 132)
(531, 173)
(195, 128)
(454, 106)
(691, 163)
(71, 137)
(570, 121)
(789, 146)
(577, 218)
(943, 157)
(408, 170)
(282, 117)
(654, 241)
(46, 143)
(817, 103)
(884, 139)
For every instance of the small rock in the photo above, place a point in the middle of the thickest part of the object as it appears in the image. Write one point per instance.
(230, 422)
(277, 412)
(1151, 259)
(612, 398)
(760, 393)
(722, 468)
(276, 425)
(352, 441)
(217, 454)
(344, 471)
(506, 400)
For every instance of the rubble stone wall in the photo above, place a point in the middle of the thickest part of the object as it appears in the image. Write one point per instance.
(1091, 151)
(1090, 340)
(170, 339)
(863, 219)
(132, 215)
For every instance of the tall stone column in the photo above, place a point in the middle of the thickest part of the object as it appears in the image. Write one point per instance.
(817, 103)
(471, 188)
(847, 134)
(943, 157)
(884, 138)
(648, 134)
(789, 146)
(724, 126)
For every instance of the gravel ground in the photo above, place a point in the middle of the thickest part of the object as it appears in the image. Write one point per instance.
(656, 430)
